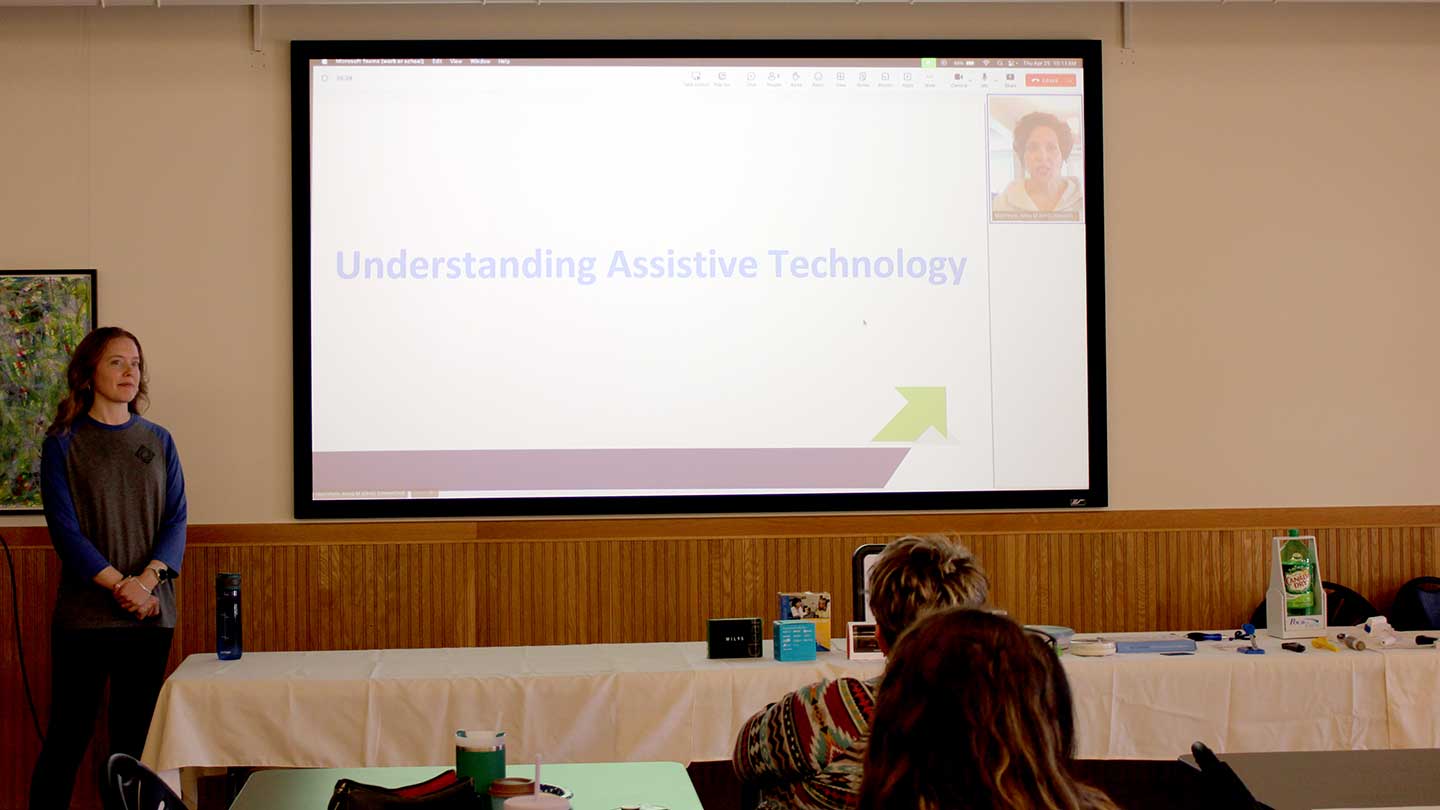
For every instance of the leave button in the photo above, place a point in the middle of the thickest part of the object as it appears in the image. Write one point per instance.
(1049, 79)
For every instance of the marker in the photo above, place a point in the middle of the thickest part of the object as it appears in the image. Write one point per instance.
(1293, 646)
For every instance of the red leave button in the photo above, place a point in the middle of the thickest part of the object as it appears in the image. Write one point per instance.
(1049, 79)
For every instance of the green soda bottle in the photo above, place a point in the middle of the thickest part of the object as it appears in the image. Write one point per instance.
(1295, 565)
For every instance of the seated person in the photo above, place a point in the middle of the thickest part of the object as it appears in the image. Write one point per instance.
(1043, 143)
(973, 712)
(805, 750)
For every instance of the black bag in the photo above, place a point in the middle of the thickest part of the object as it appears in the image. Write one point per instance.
(443, 792)
(1417, 605)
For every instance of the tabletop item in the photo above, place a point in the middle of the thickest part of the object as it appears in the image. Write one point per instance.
(1379, 631)
(812, 607)
(1204, 636)
(794, 640)
(1293, 646)
(509, 787)
(1324, 643)
(480, 755)
(1353, 642)
(444, 791)
(1295, 601)
(861, 643)
(1161, 645)
(1091, 647)
(1062, 635)
(733, 638)
(537, 801)
(227, 617)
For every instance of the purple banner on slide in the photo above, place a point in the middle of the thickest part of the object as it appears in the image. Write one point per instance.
(654, 469)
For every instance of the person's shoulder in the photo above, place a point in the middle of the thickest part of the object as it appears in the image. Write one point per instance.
(156, 429)
(858, 686)
(855, 696)
(1011, 198)
(56, 442)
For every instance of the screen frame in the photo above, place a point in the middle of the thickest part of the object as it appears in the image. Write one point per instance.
(308, 507)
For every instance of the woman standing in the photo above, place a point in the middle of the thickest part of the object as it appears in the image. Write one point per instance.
(114, 499)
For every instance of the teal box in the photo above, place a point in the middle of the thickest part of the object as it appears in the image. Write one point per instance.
(794, 640)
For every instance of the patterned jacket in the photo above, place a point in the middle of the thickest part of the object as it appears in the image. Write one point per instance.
(807, 750)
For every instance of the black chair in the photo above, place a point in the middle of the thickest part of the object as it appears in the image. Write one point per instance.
(1343, 608)
(129, 785)
(1417, 605)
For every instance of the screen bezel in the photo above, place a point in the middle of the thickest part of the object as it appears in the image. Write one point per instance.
(307, 506)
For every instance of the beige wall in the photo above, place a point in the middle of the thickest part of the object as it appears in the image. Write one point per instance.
(1272, 187)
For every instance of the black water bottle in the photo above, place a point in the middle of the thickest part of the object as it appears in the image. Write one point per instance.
(227, 617)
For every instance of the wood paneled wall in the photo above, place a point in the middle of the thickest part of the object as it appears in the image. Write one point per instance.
(399, 585)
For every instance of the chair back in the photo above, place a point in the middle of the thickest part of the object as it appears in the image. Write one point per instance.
(1343, 608)
(129, 785)
(1417, 605)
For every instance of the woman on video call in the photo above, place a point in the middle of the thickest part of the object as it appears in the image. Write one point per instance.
(1043, 143)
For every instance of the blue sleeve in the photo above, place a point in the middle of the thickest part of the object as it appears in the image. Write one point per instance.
(76, 551)
(170, 539)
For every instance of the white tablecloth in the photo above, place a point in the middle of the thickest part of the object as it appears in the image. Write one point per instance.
(637, 702)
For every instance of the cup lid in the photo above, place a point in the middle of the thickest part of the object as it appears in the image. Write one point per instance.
(512, 786)
(480, 740)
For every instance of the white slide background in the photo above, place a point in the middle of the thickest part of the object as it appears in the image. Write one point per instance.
(439, 162)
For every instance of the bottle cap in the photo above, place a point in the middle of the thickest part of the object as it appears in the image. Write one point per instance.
(227, 581)
(1292, 533)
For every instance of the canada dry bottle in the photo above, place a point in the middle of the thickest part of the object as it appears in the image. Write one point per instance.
(227, 616)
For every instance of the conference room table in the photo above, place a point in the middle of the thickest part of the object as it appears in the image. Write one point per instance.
(595, 786)
(667, 702)
(1340, 779)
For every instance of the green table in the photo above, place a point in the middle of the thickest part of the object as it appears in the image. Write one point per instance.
(597, 786)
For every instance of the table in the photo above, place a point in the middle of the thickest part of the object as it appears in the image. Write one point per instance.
(597, 786)
(1339, 779)
(1153, 706)
(647, 702)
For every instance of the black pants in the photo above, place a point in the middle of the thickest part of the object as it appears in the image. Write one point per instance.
(133, 660)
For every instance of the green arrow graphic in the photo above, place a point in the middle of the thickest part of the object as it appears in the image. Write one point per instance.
(924, 408)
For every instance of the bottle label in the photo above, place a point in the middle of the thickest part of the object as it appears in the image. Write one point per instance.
(1297, 577)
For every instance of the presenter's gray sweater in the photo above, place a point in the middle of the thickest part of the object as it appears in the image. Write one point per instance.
(114, 495)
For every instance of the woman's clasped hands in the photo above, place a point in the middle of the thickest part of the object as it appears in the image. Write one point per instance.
(133, 596)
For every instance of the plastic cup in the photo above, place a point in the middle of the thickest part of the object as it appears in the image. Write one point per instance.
(537, 801)
(480, 755)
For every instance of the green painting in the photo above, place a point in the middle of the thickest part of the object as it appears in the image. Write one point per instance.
(43, 316)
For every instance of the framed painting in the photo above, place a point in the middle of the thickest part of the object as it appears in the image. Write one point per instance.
(43, 316)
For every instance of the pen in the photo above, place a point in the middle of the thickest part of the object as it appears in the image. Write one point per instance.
(1204, 636)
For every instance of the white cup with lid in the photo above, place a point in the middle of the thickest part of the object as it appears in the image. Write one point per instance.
(537, 801)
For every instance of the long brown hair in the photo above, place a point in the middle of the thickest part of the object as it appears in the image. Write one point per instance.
(80, 377)
(973, 714)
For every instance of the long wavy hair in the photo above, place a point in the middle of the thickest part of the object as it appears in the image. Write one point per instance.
(974, 713)
(80, 377)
